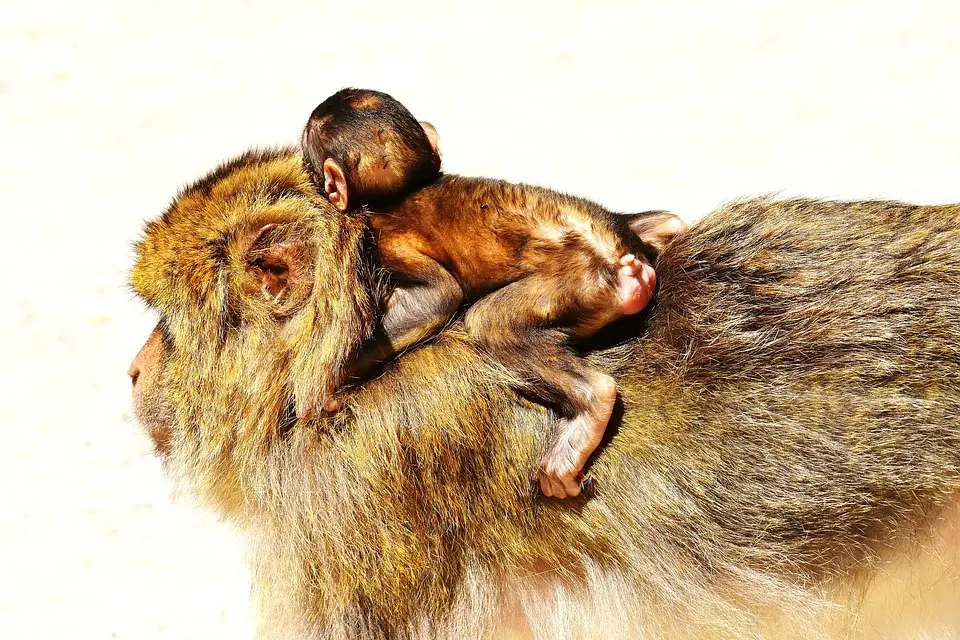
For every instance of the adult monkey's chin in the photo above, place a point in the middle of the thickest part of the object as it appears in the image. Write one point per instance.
(788, 447)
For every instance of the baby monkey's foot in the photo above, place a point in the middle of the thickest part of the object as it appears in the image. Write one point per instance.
(636, 282)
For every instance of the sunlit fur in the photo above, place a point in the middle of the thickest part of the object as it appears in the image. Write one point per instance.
(789, 435)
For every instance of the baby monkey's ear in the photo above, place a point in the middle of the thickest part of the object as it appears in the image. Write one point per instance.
(656, 229)
(432, 136)
(335, 184)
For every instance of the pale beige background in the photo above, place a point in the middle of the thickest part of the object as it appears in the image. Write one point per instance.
(106, 107)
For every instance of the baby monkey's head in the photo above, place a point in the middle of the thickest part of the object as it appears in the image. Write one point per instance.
(366, 148)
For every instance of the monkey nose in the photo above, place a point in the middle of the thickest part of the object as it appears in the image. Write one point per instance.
(134, 373)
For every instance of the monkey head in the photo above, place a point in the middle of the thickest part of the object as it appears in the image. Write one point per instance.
(363, 147)
(250, 260)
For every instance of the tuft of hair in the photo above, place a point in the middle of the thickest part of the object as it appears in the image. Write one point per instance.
(381, 148)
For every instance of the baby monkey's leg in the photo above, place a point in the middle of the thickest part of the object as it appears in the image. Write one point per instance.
(511, 323)
(592, 398)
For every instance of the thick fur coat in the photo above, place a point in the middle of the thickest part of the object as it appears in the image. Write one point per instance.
(790, 421)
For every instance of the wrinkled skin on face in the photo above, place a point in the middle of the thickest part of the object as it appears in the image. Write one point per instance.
(789, 422)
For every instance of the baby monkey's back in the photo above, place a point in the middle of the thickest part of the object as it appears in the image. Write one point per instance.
(491, 232)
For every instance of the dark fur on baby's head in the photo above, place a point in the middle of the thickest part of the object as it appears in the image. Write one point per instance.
(377, 144)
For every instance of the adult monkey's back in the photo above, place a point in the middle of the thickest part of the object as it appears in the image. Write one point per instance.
(790, 427)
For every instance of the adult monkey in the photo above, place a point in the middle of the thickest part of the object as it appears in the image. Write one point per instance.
(790, 433)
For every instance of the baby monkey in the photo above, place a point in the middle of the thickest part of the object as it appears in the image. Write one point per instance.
(537, 268)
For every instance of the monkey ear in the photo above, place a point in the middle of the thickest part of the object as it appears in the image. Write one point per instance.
(335, 184)
(432, 136)
(279, 265)
(656, 229)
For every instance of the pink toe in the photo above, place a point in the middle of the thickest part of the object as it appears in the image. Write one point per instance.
(648, 275)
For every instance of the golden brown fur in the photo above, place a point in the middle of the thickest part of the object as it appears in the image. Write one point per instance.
(790, 423)
(489, 233)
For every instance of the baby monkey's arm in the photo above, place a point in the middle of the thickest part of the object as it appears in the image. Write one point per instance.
(422, 303)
